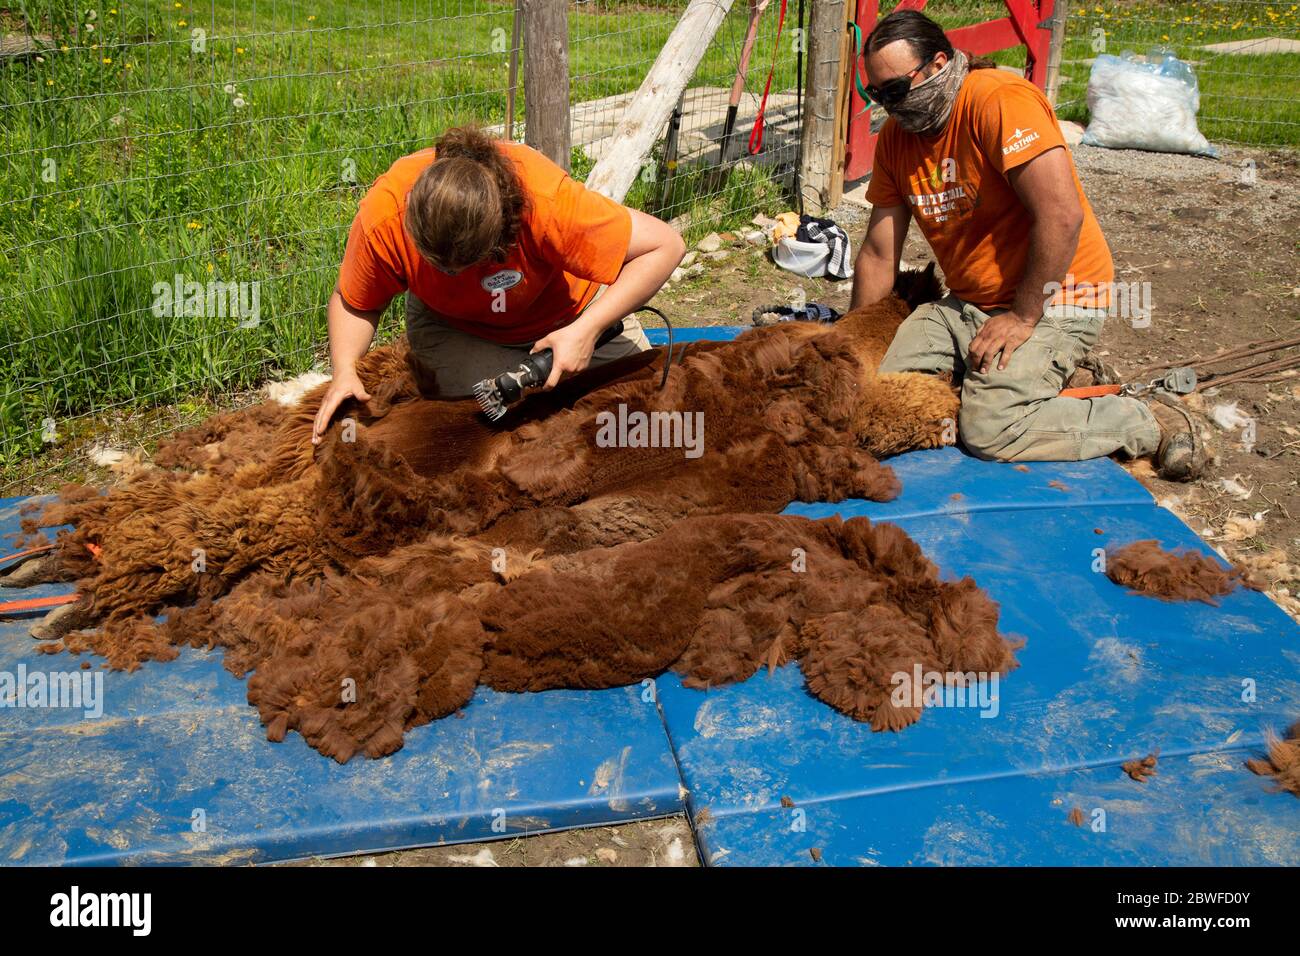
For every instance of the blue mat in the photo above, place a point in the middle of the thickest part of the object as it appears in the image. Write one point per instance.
(1105, 677)
(178, 768)
(1202, 810)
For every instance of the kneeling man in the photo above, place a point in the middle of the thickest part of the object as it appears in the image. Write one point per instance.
(975, 156)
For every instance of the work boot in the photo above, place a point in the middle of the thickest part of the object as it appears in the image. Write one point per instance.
(1091, 370)
(1182, 454)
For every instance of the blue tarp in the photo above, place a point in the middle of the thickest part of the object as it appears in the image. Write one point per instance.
(178, 767)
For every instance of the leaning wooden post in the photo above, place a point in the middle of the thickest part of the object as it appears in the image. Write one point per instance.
(650, 108)
(1053, 84)
(512, 86)
(546, 78)
(820, 133)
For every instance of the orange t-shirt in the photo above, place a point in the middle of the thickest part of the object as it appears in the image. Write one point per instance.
(956, 188)
(571, 242)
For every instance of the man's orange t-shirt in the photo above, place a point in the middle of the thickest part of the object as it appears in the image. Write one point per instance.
(571, 242)
(956, 188)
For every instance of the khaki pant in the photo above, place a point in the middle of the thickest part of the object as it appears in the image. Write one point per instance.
(1015, 414)
(459, 359)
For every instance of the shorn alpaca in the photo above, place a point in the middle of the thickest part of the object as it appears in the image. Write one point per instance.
(421, 551)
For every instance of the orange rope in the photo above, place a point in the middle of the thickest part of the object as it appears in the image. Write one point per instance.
(35, 604)
(40, 549)
(1090, 391)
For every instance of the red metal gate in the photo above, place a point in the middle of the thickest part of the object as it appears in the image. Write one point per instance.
(1025, 25)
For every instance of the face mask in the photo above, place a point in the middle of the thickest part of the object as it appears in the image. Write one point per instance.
(926, 107)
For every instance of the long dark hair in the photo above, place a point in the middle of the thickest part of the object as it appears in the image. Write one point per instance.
(925, 38)
(923, 35)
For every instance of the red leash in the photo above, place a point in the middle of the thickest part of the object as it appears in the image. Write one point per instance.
(756, 135)
(26, 605)
(6, 560)
(10, 608)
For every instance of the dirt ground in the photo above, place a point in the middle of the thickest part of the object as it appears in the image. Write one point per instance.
(664, 842)
(1222, 255)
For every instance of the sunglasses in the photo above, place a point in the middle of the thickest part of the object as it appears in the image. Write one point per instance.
(891, 92)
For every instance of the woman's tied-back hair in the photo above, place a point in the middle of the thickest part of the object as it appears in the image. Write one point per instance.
(468, 204)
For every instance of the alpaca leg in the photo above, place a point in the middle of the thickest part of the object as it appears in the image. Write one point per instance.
(903, 411)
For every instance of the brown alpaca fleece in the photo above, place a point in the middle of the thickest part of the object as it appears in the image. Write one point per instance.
(1283, 761)
(353, 661)
(224, 442)
(1146, 568)
(1141, 769)
(791, 412)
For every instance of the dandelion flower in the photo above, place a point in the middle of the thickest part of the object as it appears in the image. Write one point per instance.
(194, 225)
(239, 102)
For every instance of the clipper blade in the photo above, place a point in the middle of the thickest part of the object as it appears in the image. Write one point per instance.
(489, 399)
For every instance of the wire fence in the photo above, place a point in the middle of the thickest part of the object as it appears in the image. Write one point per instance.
(1246, 55)
(177, 180)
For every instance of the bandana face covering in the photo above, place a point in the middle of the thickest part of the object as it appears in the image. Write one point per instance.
(926, 107)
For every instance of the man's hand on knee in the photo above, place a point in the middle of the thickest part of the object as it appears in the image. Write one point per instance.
(1003, 333)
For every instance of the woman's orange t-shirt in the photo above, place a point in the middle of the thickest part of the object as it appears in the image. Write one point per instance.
(956, 188)
(571, 242)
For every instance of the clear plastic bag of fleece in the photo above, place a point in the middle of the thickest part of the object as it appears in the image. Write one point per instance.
(1145, 104)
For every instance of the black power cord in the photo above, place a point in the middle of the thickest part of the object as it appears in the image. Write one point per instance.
(668, 360)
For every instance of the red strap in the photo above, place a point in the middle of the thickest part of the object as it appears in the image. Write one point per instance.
(35, 604)
(1090, 391)
(19, 555)
(756, 134)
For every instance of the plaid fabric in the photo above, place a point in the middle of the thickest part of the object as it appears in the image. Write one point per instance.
(825, 230)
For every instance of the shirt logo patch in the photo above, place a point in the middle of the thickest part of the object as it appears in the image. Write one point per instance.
(1018, 140)
(500, 281)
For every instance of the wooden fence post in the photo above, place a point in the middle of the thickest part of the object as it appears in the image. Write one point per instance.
(546, 79)
(1059, 14)
(512, 86)
(820, 132)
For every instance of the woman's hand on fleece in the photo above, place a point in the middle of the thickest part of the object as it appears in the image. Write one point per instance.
(343, 387)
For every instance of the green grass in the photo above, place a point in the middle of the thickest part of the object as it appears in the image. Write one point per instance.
(158, 170)
(1244, 99)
